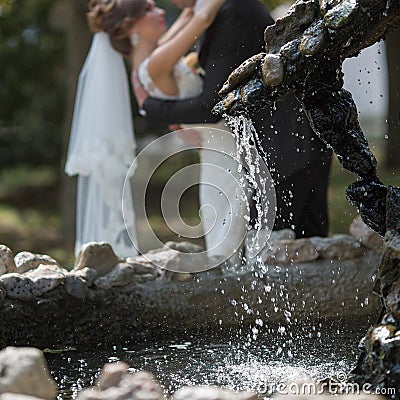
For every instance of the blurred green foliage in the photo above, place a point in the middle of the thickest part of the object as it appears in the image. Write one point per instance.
(31, 89)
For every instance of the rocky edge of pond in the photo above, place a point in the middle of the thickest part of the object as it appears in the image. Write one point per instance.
(107, 299)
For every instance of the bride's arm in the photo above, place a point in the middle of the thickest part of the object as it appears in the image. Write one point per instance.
(164, 57)
(184, 17)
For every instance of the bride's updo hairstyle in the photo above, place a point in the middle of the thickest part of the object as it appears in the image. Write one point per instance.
(116, 18)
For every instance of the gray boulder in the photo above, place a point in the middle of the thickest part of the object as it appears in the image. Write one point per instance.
(24, 371)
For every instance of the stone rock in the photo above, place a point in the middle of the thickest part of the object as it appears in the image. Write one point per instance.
(122, 274)
(77, 282)
(115, 383)
(144, 269)
(17, 287)
(46, 277)
(288, 251)
(171, 260)
(111, 375)
(211, 393)
(367, 236)
(273, 70)
(33, 283)
(7, 263)
(97, 255)
(24, 371)
(26, 261)
(343, 247)
(14, 396)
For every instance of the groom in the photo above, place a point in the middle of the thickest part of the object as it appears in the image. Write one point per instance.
(298, 161)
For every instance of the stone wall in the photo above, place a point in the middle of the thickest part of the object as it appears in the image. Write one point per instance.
(108, 300)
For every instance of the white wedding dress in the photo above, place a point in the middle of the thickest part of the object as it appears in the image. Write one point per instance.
(225, 222)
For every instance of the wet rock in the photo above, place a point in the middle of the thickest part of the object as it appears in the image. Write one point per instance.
(340, 15)
(333, 116)
(33, 283)
(115, 383)
(313, 38)
(26, 261)
(343, 247)
(360, 230)
(24, 371)
(211, 393)
(77, 282)
(290, 251)
(244, 71)
(290, 52)
(7, 263)
(382, 345)
(370, 199)
(273, 70)
(298, 18)
(252, 90)
(97, 255)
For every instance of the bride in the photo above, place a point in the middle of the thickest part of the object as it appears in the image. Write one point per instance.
(102, 145)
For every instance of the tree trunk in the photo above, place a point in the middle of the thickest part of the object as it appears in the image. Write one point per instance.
(392, 156)
(70, 16)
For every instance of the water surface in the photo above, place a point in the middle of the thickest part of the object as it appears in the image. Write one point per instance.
(276, 356)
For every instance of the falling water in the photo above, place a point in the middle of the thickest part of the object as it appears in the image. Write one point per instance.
(255, 177)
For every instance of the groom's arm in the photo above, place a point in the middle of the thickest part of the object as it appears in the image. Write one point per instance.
(193, 110)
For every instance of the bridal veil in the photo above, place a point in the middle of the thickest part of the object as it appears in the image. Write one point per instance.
(101, 150)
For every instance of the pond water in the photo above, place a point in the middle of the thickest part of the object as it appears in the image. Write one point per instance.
(276, 356)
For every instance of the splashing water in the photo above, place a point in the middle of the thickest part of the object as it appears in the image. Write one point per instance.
(192, 360)
(256, 178)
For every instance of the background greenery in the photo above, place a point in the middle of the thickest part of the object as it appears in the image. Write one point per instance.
(42, 47)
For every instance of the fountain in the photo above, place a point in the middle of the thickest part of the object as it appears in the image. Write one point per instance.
(125, 302)
(304, 53)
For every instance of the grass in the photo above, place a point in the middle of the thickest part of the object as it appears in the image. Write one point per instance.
(30, 217)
